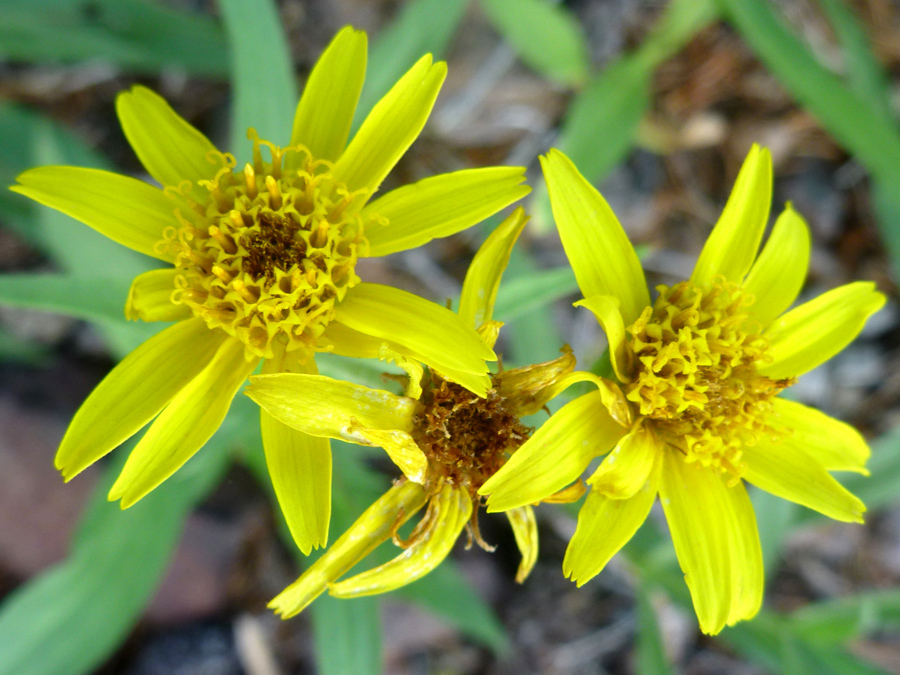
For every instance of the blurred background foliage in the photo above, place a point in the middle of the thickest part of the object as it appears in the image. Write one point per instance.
(656, 102)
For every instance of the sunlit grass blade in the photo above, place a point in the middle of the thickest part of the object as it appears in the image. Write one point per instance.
(651, 657)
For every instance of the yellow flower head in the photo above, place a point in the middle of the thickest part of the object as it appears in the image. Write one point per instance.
(695, 411)
(447, 441)
(262, 261)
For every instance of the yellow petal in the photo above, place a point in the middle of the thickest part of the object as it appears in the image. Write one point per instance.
(786, 470)
(606, 309)
(528, 389)
(323, 118)
(150, 297)
(126, 210)
(372, 528)
(734, 241)
(833, 444)
(439, 206)
(598, 249)
(169, 148)
(300, 467)
(400, 447)
(428, 332)
(188, 421)
(391, 127)
(524, 527)
(714, 531)
(135, 391)
(320, 406)
(812, 333)
(479, 290)
(451, 510)
(556, 455)
(778, 274)
(626, 469)
(605, 525)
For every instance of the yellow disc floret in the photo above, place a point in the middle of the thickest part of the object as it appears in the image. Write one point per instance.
(265, 253)
(694, 376)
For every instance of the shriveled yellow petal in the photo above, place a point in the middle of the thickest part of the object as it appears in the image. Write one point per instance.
(606, 309)
(150, 297)
(714, 531)
(524, 527)
(428, 332)
(169, 148)
(323, 118)
(786, 470)
(439, 206)
(391, 127)
(300, 467)
(479, 289)
(450, 511)
(400, 447)
(812, 333)
(567, 495)
(556, 455)
(528, 389)
(734, 241)
(833, 444)
(778, 274)
(598, 249)
(605, 525)
(135, 391)
(124, 209)
(188, 421)
(372, 528)
(627, 468)
(320, 406)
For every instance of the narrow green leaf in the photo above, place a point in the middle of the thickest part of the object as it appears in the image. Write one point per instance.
(534, 336)
(421, 27)
(94, 299)
(651, 657)
(774, 517)
(262, 75)
(523, 294)
(545, 35)
(347, 636)
(840, 619)
(13, 348)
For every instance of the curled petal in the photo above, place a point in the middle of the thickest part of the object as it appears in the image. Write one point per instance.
(525, 530)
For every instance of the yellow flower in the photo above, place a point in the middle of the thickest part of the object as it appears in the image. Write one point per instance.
(697, 413)
(446, 441)
(262, 262)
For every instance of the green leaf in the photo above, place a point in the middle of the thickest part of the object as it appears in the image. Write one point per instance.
(774, 517)
(262, 75)
(421, 27)
(84, 298)
(523, 294)
(136, 34)
(651, 657)
(13, 348)
(69, 619)
(347, 636)
(838, 620)
(545, 35)
(535, 337)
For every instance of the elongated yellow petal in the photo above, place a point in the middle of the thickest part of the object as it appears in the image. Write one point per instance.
(788, 471)
(627, 468)
(479, 289)
(524, 527)
(734, 241)
(135, 392)
(400, 447)
(598, 249)
(300, 467)
(320, 406)
(323, 118)
(605, 525)
(169, 148)
(372, 528)
(556, 455)
(451, 509)
(527, 389)
(150, 297)
(778, 274)
(714, 531)
(124, 209)
(606, 309)
(817, 330)
(391, 127)
(188, 421)
(439, 206)
(833, 444)
(428, 332)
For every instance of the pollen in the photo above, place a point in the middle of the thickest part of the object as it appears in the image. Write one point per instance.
(694, 378)
(265, 252)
